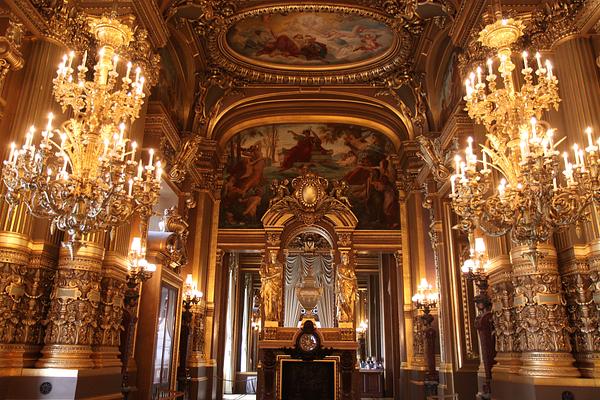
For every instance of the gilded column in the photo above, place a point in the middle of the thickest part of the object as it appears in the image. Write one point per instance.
(10, 51)
(503, 311)
(591, 340)
(542, 326)
(24, 281)
(72, 319)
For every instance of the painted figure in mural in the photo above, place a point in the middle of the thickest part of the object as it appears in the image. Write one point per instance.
(271, 277)
(346, 288)
(258, 156)
(307, 143)
(339, 191)
(309, 38)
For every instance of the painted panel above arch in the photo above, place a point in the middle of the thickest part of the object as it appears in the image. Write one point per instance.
(359, 155)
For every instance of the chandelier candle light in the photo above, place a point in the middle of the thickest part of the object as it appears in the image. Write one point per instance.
(534, 197)
(84, 175)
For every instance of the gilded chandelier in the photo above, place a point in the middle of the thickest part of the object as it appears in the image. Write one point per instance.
(538, 193)
(84, 175)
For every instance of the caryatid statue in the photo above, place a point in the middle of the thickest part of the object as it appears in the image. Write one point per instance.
(271, 276)
(346, 288)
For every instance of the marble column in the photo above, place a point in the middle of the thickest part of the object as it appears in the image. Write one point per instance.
(542, 326)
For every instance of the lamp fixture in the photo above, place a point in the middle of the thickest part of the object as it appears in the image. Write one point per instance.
(84, 175)
(140, 269)
(534, 197)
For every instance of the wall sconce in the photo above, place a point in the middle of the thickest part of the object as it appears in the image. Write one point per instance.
(191, 294)
(426, 299)
(140, 270)
(475, 270)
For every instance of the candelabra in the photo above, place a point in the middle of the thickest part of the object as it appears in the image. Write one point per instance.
(139, 271)
(534, 198)
(191, 297)
(82, 175)
(426, 299)
(474, 270)
(361, 331)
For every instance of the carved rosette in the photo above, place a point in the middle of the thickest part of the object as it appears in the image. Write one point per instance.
(542, 325)
(72, 319)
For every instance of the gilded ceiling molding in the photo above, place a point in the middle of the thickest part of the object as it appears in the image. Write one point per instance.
(550, 23)
(396, 57)
(29, 15)
(321, 106)
(10, 50)
(153, 21)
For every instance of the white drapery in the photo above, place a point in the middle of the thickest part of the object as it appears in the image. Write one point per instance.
(297, 266)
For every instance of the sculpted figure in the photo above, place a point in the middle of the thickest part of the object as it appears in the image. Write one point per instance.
(346, 289)
(271, 275)
(279, 189)
(340, 192)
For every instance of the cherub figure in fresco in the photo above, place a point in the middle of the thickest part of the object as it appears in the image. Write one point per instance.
(368, 42)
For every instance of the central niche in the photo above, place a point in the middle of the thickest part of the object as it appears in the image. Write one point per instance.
(322, 40)
(308, 258)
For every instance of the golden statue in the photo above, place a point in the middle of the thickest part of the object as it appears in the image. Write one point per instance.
(271, 276)
(346, 289)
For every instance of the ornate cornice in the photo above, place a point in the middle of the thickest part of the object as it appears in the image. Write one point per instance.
(153, 21)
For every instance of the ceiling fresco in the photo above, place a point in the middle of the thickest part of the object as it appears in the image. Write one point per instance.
(355, 154)
(310, 39)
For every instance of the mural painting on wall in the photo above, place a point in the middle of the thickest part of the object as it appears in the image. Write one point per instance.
(360, 156)
(310, 39)
(451, 91)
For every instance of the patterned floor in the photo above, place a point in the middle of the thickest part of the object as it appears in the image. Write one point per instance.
(253, 397)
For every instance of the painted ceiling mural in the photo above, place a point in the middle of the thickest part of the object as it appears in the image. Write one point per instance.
(309, 39)
(358, 155)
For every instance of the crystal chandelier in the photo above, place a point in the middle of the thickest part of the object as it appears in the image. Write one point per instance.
(425, 298)
(535, 197)
(84, 175)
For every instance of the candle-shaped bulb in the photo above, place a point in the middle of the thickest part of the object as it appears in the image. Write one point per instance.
(115, 62)
(133, 148)
(128, 70)
(588, 131)
(130, 187)
(538, 58)
(478, 75)
(71, 56)
(490, 64)
(525, 55)
(140, 169)
(457, 163)
(159, 170)
(138, 70)
(549, 68)
(151, 152)
(50, 118)
(533, 127)
(84, 59)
